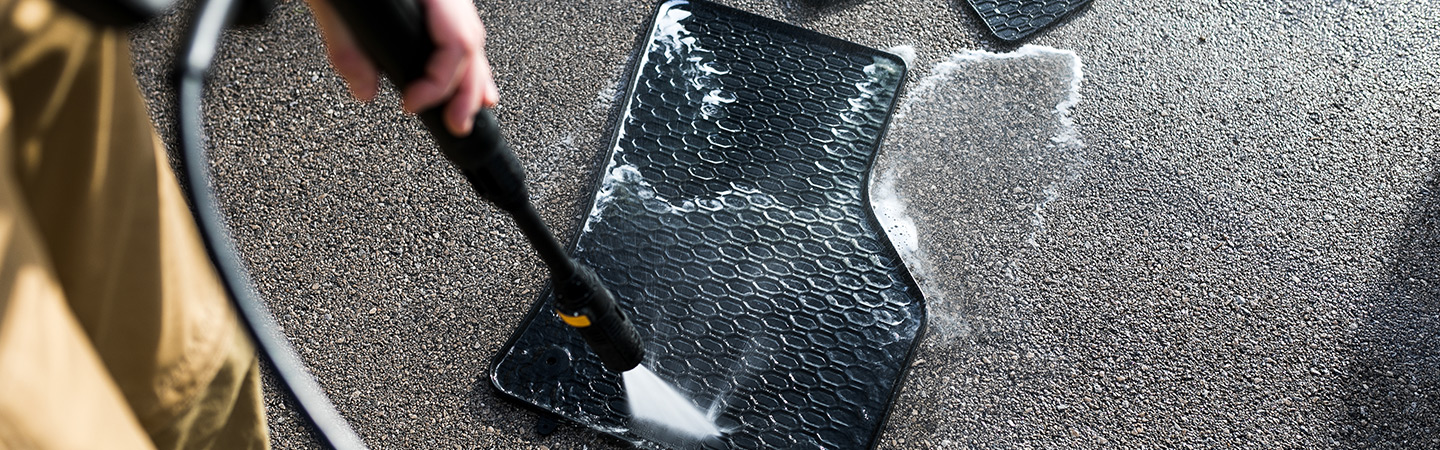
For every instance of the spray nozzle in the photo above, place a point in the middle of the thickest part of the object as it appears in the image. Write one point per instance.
(584, 303)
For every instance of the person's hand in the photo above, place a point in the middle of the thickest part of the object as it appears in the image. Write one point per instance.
(457, 72)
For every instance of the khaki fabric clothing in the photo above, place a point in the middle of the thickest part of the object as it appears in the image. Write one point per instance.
(114, 330)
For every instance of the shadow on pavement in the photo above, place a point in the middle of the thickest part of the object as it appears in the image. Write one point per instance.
(1391, 389)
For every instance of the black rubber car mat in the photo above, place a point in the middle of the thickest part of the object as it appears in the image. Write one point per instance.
(1013, 20)
(732, 223)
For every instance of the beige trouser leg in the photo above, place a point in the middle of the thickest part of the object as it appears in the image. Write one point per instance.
(114, 332)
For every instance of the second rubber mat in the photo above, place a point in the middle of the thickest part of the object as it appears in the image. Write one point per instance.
(1013, 20)
(732, 223)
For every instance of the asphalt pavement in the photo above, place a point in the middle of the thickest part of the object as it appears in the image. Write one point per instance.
(1241, 254)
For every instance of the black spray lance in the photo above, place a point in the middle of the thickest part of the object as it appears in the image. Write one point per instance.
(394, 35)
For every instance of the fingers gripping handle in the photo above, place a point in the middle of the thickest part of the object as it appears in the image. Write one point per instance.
(394, 36)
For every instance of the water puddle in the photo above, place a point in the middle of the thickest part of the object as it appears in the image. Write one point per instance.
(974, 158)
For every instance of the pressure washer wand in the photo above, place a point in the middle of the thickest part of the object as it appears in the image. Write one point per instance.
(394, 35)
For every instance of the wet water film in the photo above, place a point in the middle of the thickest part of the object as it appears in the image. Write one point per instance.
(730, 222)
(998, 127)
(979, 157)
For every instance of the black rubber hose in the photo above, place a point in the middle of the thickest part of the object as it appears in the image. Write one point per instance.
(192, 65)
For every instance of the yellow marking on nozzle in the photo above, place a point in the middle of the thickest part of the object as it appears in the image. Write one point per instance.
(574, 321)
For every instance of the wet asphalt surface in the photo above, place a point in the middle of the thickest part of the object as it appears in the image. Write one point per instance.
(1246, 260)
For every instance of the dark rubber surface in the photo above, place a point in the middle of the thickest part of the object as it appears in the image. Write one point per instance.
(1013, 20)
(731, 221)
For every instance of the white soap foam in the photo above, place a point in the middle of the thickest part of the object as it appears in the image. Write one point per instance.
(606, 96)
(905, 52)
(1068, 139)
(696, 62)
(878, 75)
(890, 210)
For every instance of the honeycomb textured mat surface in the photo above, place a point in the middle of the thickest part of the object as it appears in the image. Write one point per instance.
(731, 222)
(1016, 19)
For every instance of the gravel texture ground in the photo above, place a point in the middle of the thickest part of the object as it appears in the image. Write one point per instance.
(1242, 254)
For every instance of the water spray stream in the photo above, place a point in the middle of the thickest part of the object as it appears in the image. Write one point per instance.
(653, 402)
